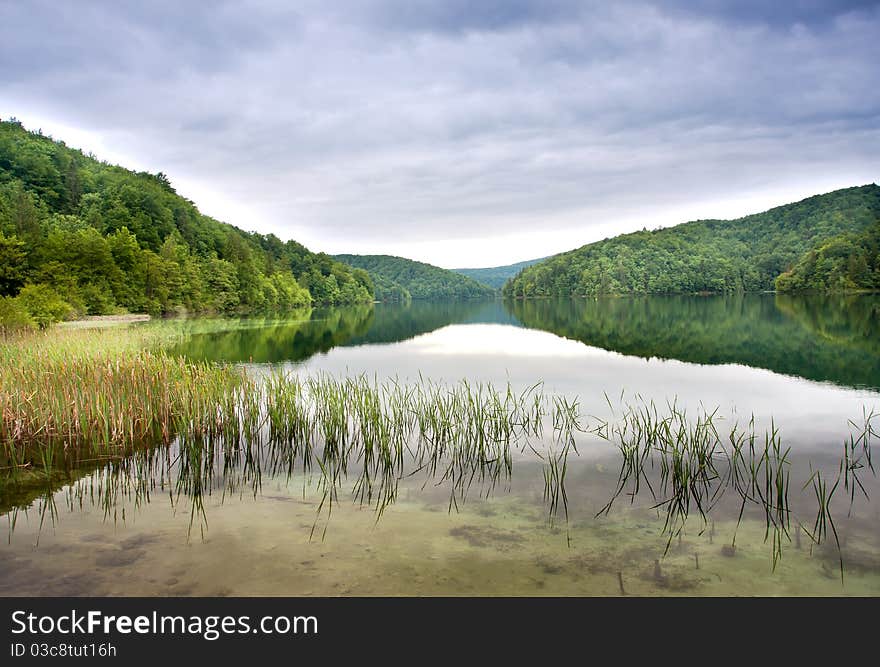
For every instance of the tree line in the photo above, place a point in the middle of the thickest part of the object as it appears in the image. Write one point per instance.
(824, 242)
(80, 236)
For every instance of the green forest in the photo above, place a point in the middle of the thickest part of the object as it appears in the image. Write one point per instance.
(845, 261)
(397, 278)
(825, 242)
(82, 237)
(496, 276)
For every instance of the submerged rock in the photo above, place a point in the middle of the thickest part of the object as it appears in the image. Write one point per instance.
(477, 536)
(118, 557)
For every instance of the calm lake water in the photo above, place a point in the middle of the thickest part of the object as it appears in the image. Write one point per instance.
(802, 368)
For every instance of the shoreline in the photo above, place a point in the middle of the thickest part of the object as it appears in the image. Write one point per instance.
(105, 320)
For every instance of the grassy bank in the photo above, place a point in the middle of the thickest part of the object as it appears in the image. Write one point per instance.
(74, 397)
(111, 388)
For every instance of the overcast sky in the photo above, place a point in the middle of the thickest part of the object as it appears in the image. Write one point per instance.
(459, 132)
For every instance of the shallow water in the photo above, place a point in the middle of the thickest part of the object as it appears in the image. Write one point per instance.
(806, 366)
(275, 543)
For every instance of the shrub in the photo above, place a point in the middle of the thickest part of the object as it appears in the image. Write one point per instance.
(44, 305)
(14, 315)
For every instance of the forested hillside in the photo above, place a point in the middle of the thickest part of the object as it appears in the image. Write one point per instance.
(419, 280)
(827, 242)
(846, 261)
(496, 276)
(80, 236)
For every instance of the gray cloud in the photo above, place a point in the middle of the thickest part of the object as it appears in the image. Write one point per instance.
(457, 134)
(812, 12)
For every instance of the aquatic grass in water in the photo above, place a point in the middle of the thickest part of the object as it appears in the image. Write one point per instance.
(74, 398)
(695, 468)
(687, 466)
(97, 387)
(152, 421)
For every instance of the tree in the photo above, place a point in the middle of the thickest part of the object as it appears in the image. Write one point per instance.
(13, 265)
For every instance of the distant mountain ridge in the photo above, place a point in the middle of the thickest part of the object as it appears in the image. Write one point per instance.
(496, 276)
(397, 278)
(825, 242)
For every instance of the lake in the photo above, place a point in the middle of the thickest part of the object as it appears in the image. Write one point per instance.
(769, 389)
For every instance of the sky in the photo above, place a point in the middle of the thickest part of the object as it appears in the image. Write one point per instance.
(464, 133)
